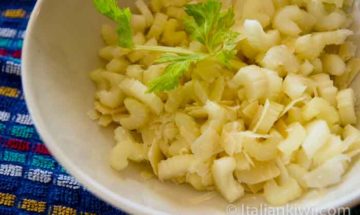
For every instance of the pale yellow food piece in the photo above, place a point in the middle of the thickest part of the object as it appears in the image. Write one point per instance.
(253, 80)
(171, 36)
(347, 50)
(297, 172)
(319, 108)
(217, 89)
(175, 99)
(106, 53)
(352, 69)
(333, 64)
(126, 149)
(145, 11)
(208, 70)
(326, 21)
(187, 126)
(274, 83)
(138, 115)
(217, 115)
(291, 20)
(257, 40)
(155, 156)
(179, 147)
(263, 150)
(294, 115)
(325, 87)
(249, 110)
(260, 10)
(291, 105)
(105, 120)
(135, 56)
(119, 52)
(282, 3)
(281, 193)
(150, 57)
(136, 89)
(333, 147)
(262, 171)
(175, 167)
(329, 173)
(156, 5)
(138, 23)
(112, 98)
(306, 68)
(317, 135)
(231, 138)
(201, 91)
(169, 130)
(109, 35)
(200, 183)
(302, 159)
(351, 136)
(207, 144)
(255, 188)
(135, 71)
(242, 163)
(338, 3)
(222, 171)
(310, 46)
(296, 135)
(317, 64)
(266, 117)
(346, 106)
(105, 80)
(152, 72)
(176, 12)
(157, 27)
(295, 86)
(117, 65)
(281, 59)
(104, 110)
(174, 3)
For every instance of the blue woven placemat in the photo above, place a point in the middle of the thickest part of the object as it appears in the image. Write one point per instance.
(31, 181)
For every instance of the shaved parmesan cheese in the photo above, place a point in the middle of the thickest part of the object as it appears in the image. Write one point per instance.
(266, 118)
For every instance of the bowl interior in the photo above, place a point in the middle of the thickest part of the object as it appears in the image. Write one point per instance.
(60, 50)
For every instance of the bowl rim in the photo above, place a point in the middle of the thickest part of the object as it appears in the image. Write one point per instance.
(96, 188)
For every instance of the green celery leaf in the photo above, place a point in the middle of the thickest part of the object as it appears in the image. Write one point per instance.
(122, 17)
(108, 8)
(228, 50)
(179, 64)
(171, 77)
(124, 29)
(209, 25)
(203, 19)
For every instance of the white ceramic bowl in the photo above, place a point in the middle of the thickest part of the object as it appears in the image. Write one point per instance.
(60, 49)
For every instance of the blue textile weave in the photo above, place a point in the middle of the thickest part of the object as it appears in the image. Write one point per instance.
(31, 181)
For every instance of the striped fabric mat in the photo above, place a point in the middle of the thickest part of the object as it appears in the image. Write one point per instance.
(31, 181)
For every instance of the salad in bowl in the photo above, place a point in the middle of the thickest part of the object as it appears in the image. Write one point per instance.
(231, 96)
